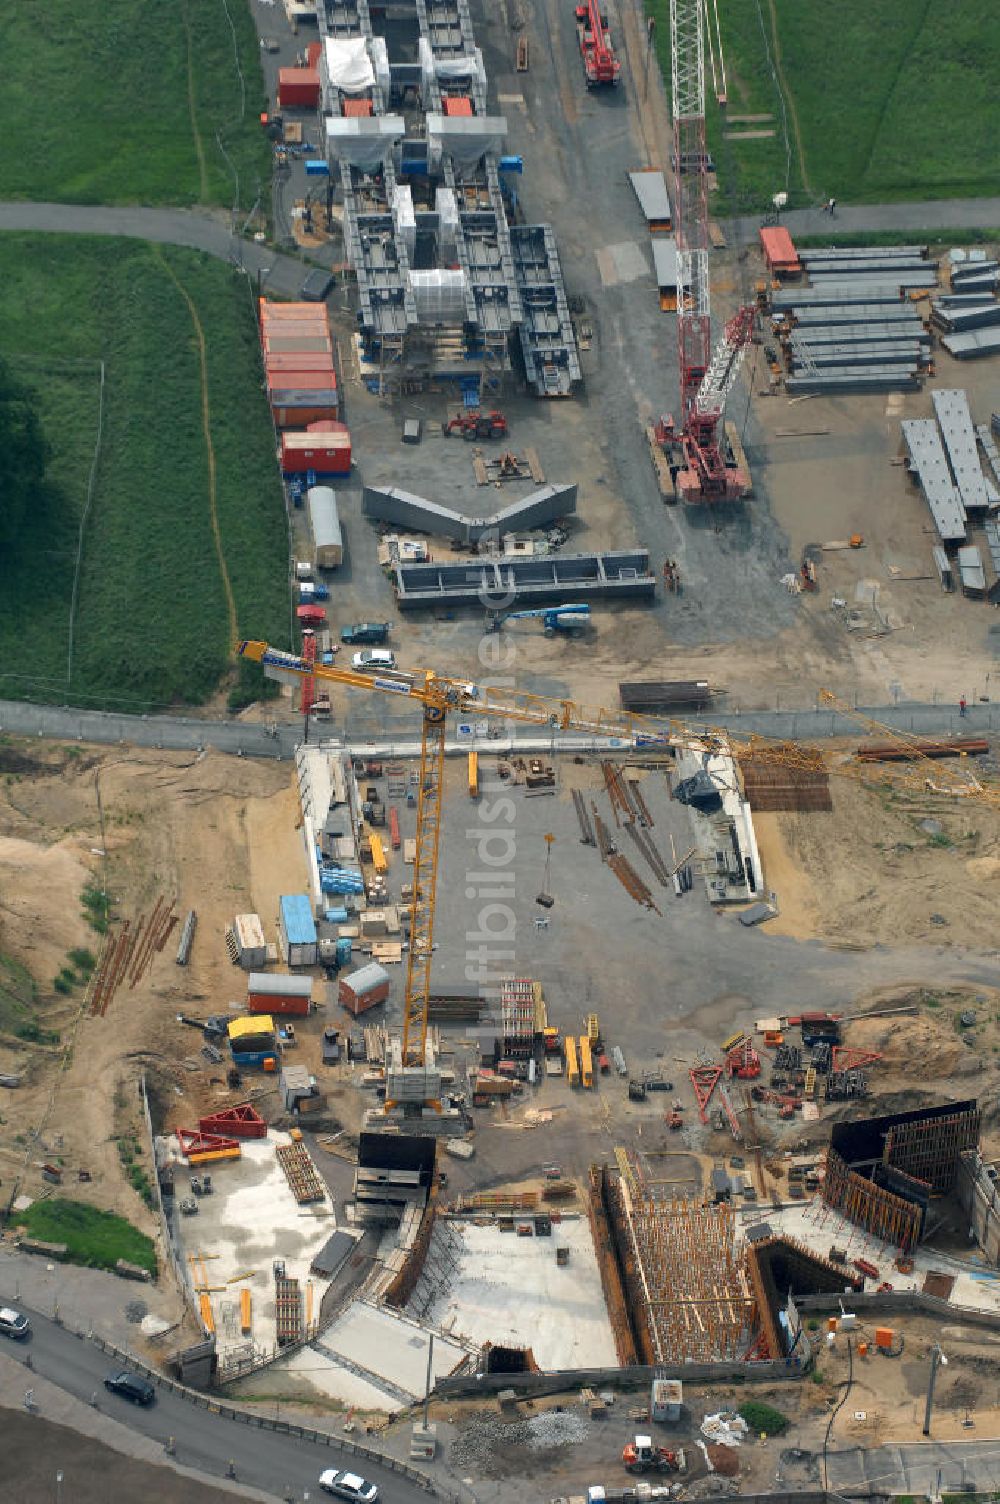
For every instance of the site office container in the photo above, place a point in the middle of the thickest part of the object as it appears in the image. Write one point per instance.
(327, 452)
(303, 360)
(274, 312)
(324, 521)
(298, 88)
(279, 994)
(293, 416)
(303, 381)
(296, 344)
(364, 988)
(296, 926)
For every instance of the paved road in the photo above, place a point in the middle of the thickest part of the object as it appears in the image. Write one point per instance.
(189, 227)
(939, 214)
(966, 1467)
(203, 1440)
(396, 736)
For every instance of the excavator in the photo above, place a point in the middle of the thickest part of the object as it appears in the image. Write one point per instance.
(439, 697)
(641, 1456)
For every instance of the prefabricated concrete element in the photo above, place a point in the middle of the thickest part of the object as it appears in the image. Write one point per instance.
(927, 460)
(621, 574)
(957, 318)
(897, 352)
(251, 946)
(414, 513)
(971, 571)
(848, 253)
(910, 331)
(951, 406)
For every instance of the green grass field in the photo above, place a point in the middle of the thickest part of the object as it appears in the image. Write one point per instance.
(153, 626)
(894, 101)
(94, 1238)
(119, 102)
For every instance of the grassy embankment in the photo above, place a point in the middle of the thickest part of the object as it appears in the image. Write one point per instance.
(887, 102)
(174, 563)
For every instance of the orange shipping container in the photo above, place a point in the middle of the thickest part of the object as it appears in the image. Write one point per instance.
(356, 108)
(307, 360)
(462, 105)
(305, 381)
(269, 310)
(883, 1336)
(294, 417)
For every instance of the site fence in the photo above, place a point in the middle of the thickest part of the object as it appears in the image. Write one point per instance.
(183, 1283)
(885, 1302)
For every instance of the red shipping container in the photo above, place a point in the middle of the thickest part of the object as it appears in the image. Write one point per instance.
(298, 88)
(461, 105)
(327, 454)
(356, 108)
(294, 417)
(359, 1002)
(266, 1002)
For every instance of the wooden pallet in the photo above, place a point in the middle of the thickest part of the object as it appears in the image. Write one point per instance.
(739, 454)
(479, 470)
(716, 236)
(301, 1173)
(534, 465)
(661, 465)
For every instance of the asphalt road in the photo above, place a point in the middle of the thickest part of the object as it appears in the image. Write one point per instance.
(965, 1467)
(199, 231)
(203, 1440)
(398, 736)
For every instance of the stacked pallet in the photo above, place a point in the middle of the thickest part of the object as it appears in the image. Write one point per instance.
(301, 1173)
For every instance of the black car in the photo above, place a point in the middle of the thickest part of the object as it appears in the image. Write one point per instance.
(131, 1386)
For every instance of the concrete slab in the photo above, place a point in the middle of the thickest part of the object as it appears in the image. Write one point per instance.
(250, 1220)
(507, 1289)
(818, 1226)
(391, 1346)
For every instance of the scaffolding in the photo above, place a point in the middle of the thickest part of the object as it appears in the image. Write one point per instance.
(687, 1285)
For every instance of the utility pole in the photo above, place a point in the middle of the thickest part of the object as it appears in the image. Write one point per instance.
(937, 1359)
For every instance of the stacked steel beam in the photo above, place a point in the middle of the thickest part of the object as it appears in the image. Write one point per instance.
(853, 329)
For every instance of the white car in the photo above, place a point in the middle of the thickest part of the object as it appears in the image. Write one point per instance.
(372, 659)
(348, 1486)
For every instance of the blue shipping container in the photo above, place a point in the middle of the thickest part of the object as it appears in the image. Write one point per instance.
(297, 919)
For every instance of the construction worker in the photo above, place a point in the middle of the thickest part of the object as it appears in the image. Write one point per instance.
(831, 207)
(962, 707)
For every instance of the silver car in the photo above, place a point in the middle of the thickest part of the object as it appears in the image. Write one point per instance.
(13, 1323)
(348, 1486)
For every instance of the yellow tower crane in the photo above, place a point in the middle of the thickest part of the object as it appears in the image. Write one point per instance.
(438, 695)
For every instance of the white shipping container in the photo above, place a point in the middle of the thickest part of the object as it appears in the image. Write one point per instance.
(250, 942)
(324, 520)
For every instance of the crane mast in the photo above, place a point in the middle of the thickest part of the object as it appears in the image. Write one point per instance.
(705, 378)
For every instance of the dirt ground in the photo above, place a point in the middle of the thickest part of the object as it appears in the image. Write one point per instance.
(884, 867)
(175, 825)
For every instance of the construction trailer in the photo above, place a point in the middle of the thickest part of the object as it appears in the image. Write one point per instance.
(364, 988)
(297, 930)
(251, 946)
(267, 993)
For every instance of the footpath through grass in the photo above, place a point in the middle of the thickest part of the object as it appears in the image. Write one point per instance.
(892, 102)
(94, 1238)
(151, 626)
(119, 101)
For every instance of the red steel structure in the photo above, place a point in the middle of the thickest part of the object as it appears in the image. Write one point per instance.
(704, 473)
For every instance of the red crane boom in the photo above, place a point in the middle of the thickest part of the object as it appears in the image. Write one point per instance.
(599, 62)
